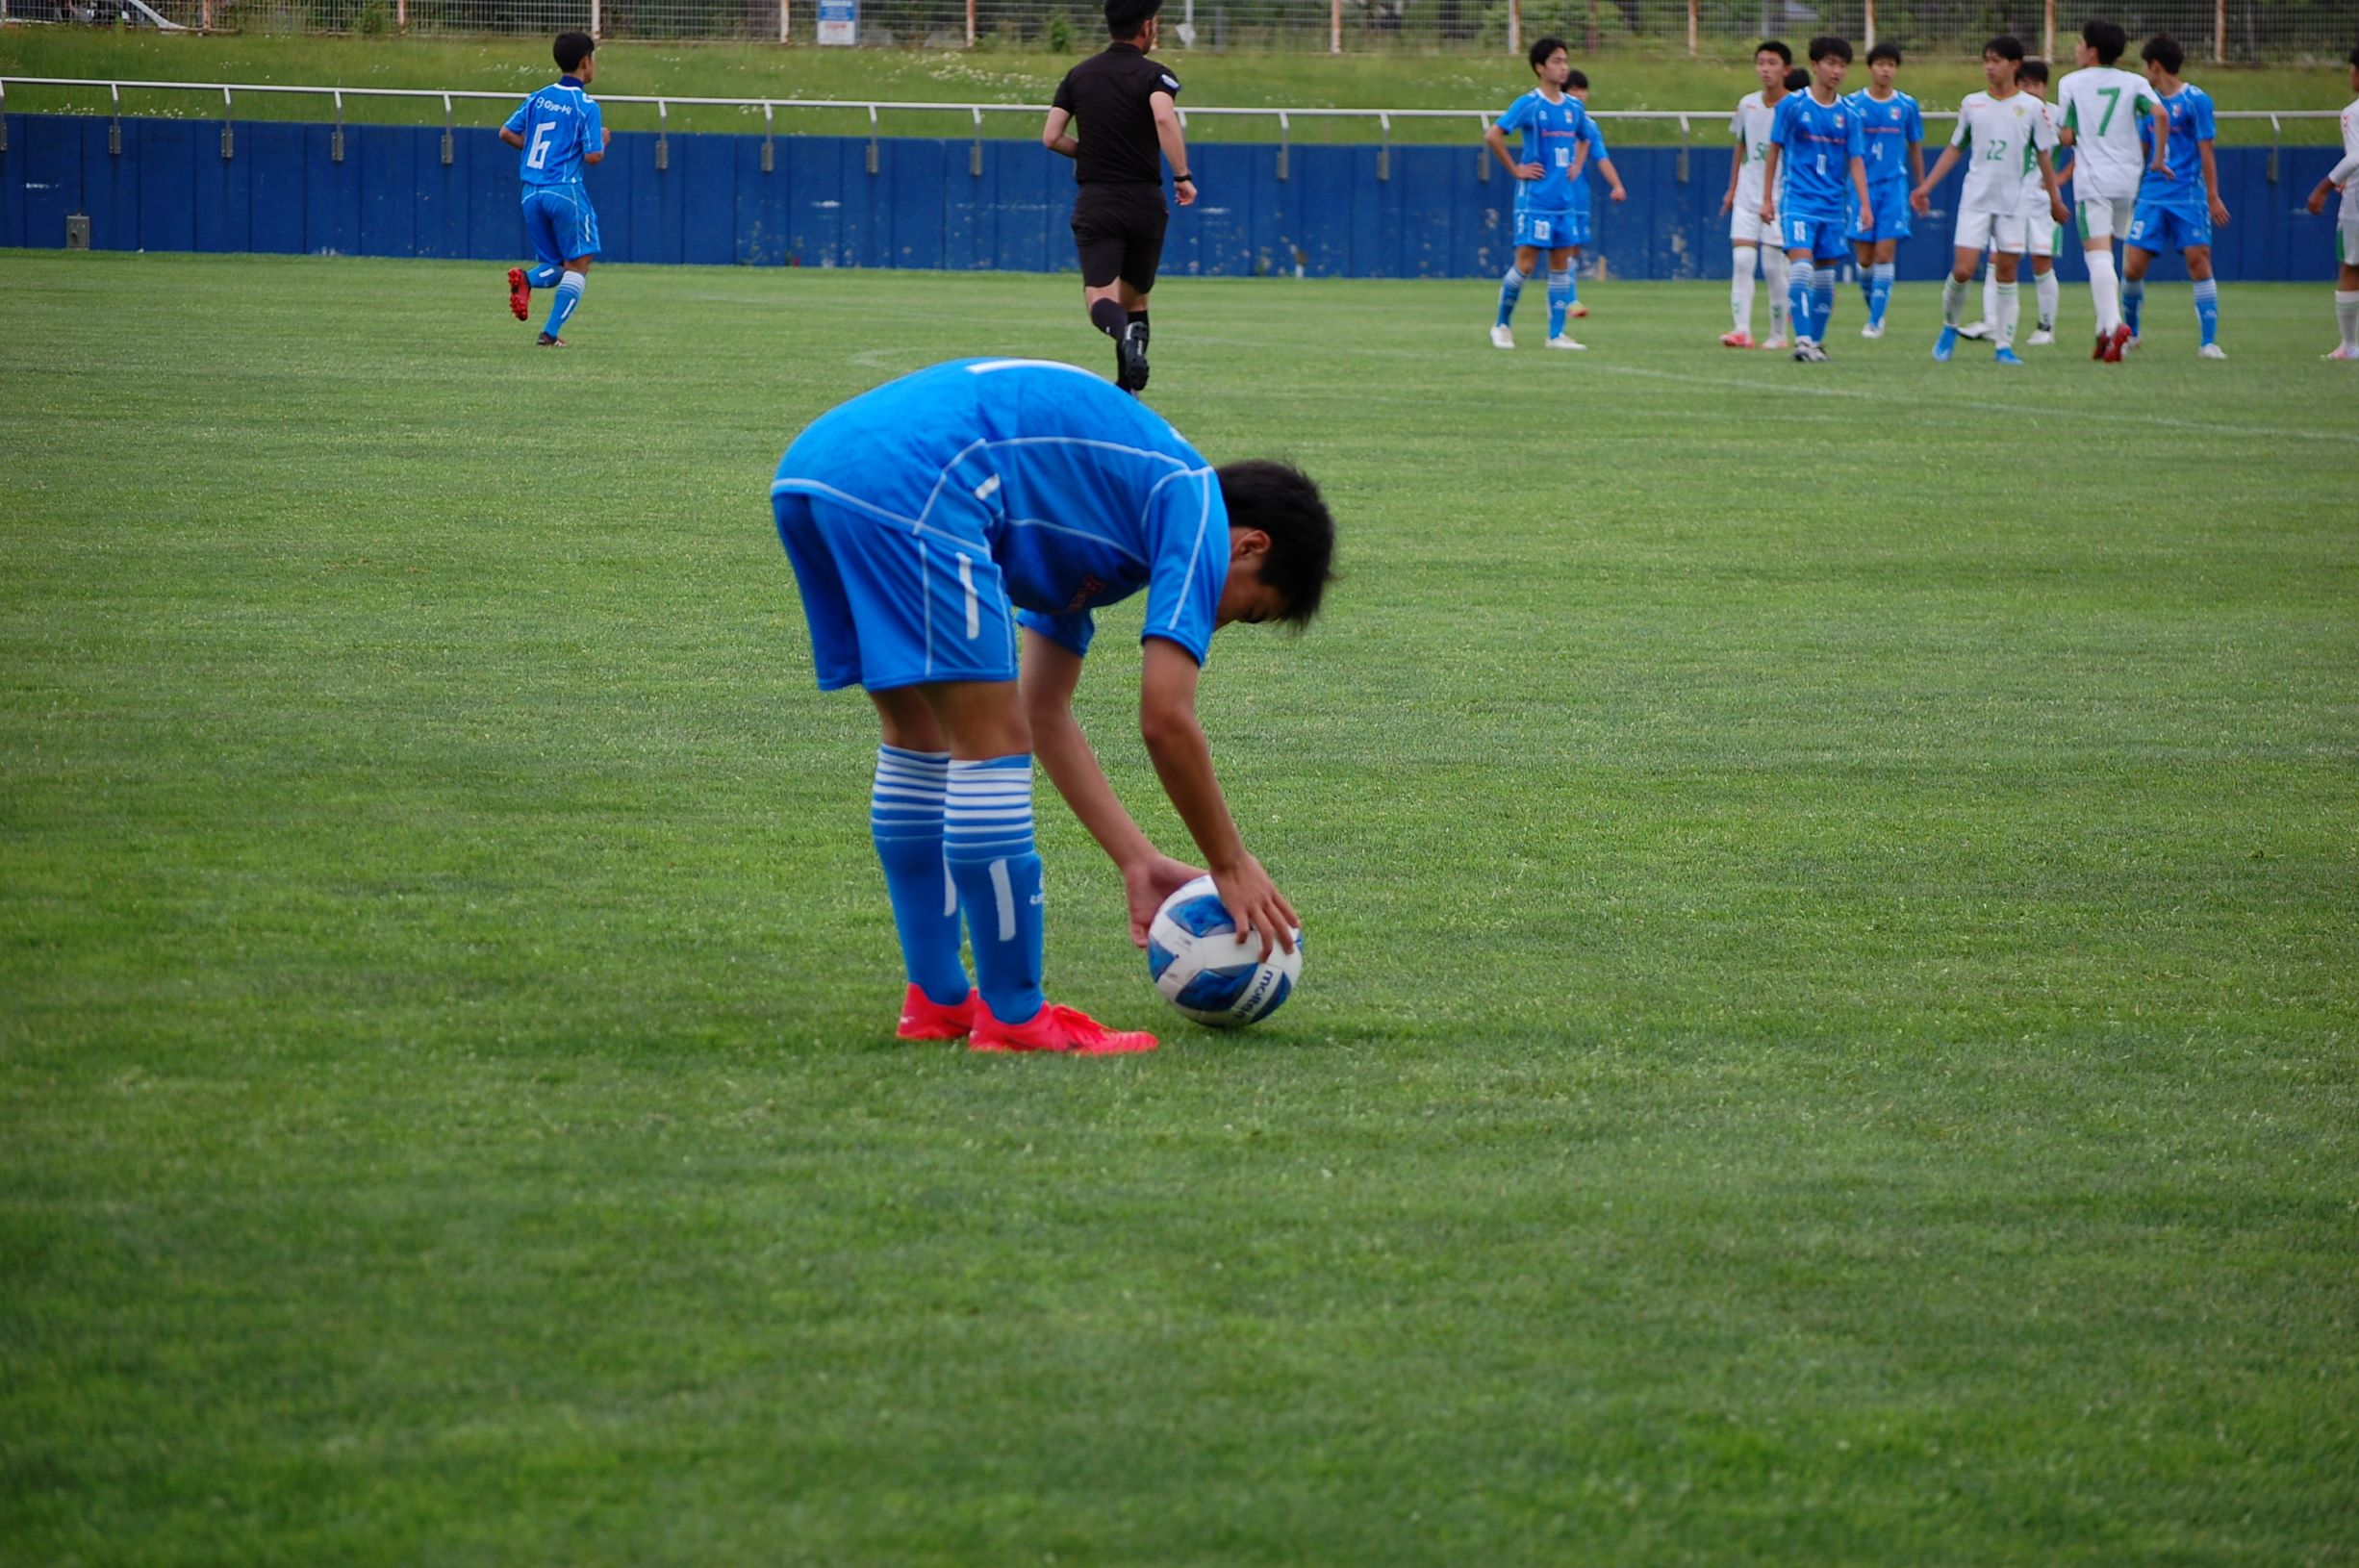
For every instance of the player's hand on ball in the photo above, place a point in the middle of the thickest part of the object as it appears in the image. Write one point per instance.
(1256, 906)
(1147, 883)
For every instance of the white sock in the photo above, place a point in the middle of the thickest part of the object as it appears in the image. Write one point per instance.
(1953, 298)
(1740, 289)
(2010, 309)
(2346, 315)
(2104, 288)
(1990, 294)
(1779, 271)
(2050, 289)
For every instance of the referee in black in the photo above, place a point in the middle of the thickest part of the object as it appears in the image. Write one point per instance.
(1124, 102)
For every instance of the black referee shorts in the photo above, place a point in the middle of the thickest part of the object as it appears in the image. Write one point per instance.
(1119, 231)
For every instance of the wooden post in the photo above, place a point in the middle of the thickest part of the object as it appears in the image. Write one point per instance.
(401, 15)
(1591, 46)
(1868, 25)
(784, 31)
(1515, 27)
(1691, 4)
(2048, 37)
(1334, 27)
(2219, 32)
(970, 24)
(597, 19)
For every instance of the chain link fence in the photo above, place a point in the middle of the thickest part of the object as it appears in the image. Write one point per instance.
(2211, 30)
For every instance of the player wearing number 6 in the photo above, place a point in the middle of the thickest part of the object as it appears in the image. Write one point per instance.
(558, 129)
(2099, 107)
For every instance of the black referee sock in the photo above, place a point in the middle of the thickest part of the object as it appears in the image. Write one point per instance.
(1138, 319)
(1107, 316)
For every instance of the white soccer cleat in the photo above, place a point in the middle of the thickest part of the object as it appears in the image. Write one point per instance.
(1501, 338)
(2210, 351)
(2342, 351)
(1977, 330)
(1873, 330)
(1775, 341)
(1563, 341)
(2041, 337)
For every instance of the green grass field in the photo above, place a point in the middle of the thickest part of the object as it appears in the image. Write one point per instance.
(1828, 1035)
(1461, 81)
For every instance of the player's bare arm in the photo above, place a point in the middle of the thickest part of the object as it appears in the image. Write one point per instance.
(1769, 183)
(1920, 199)
(1168, 136)
(514, 138)
(1496, 141)
(1051, 674)
(1736, 172)
(606, 137)
(1859, 184)
(2211, 186)
(1183, 760)
(2160, 117)
(1055, 135)
(2056, 207)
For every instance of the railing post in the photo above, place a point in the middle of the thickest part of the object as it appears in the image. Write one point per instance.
(663, 136)
(872, 138)
(4, 115)
(769, 160)
(1685, 138)
(229, 134)
(1482, 169)
(975, 153)
(115, 126)
(335, 138)
(1384, 149)
(447, 131)
(1283, 132)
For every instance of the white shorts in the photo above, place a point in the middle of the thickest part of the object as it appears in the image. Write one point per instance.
(1746, 227)
(2040, 231)
(2347, 242)
(2003, 230)
(2105, 218)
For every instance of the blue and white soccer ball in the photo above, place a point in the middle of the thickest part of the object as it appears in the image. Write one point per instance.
(1200, 967)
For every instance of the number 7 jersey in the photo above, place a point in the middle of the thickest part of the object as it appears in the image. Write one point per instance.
(2103, 107)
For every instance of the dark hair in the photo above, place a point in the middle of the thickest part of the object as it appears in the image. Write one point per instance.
(1830, 44)
(1884, 51)
(2031, 71)
(2006, 48)
(1577, 79)
(1126, 18)
(2163, 50)
(1542, 48)
(2354, 54)
(1797, 79)
(2107, 38)
(1777, 47)
(1281, 500)
(572, 49)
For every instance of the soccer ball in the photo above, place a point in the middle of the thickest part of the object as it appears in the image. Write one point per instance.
(1196, 961)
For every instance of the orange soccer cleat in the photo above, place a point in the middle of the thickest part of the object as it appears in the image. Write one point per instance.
(1066, 1029)
(519, 292)
(922, 1019)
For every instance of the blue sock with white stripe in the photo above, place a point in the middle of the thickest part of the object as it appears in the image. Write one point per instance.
(2133, 301)
(988, 841)
(2207, 307)
(541, 276)
(1559, 298)
(561, 309)
(1822, 302)
(1880, 279)
(904, 818)
(1511, 289)
(1798, 296)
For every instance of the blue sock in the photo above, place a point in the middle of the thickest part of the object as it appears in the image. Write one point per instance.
(2133, 301)
(1799, 299)
(1868, 288)
(1880, 290)
(1559, 300)
(541, 276)
(2207, 307)
(1511, 289)
(1822, 302)
(561, 309)
(904, 818)
(987, 841)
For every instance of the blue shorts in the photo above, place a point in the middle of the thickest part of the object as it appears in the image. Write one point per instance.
(1547, 228)
(1822, 237)
(889, 605)
(2159, 228)
(560, 223)
(1889, 208)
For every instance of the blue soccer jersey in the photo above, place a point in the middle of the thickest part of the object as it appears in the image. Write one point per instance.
(1592, 133)
(560, 125)
(1819, 140)
(1886, 130)
(1552, 132)
(2191, 123)
(993, 483)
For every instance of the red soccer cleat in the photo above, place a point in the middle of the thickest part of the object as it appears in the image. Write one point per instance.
(1066, 1029)
(1577, 310)
(2099, 352)
(1736, 340)
(519, 292)
(2120, 342)
(922, 1019)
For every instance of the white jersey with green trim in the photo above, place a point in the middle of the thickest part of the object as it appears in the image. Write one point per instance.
(2102, 105)
(2001, 138)
(2035, 187)
(2351, 162)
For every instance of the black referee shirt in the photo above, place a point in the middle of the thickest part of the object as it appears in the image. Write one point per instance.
(1107, 93)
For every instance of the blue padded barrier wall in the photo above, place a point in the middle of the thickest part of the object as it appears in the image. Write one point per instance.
(1431, 216)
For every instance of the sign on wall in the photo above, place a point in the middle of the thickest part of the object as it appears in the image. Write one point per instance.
(839, 21)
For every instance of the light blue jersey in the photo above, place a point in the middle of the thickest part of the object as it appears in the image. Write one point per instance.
(1888, 129)
(1552, 132)
(1592, 133)
(2191, 124)
(560, 124)
(922, 514)
(1819, 140)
